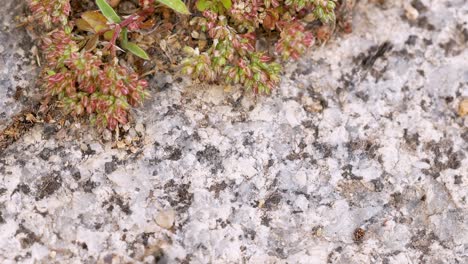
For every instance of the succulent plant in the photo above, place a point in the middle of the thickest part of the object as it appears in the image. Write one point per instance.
(50, 12)
(81, 54)
(234, 28)
(85, 84)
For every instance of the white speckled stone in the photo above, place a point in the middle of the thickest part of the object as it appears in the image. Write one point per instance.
(342, 144)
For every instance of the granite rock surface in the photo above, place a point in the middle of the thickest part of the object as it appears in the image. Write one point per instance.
(359, 157)
(17, 64)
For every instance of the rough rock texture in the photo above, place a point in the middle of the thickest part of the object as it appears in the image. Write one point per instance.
(17, 64)
(359, 157)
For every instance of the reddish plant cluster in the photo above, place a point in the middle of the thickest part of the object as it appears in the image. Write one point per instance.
(49, 12)
(234, 27)
(231, 58)
(294, 40)
(85, 84)
(83, 81)
(82, 68)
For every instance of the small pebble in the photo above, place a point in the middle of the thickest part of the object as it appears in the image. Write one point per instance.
(128, 140)
(411, 13)
(165, 219)
(463, 108)
(132, 132)
(107, 135)
(140, 128)
(84, 147)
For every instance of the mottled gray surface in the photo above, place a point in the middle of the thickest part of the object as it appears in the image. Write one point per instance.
(17, 63)
(359, 157)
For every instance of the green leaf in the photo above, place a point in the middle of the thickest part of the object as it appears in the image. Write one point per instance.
(108, 11)
(135, 49)
(124, 38)
(226, 3)
(176, 5)
(202, 5)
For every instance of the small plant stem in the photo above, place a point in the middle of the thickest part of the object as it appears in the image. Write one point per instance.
(118, 27)
(114, 39)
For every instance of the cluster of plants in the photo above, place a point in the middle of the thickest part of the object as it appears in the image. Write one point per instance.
(83, 52)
